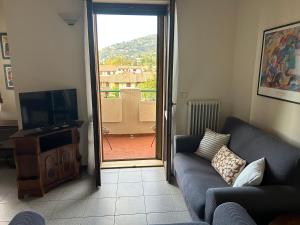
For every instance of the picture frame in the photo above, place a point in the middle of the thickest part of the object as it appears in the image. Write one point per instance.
(279, 72)
(4, 46)
(8, 76)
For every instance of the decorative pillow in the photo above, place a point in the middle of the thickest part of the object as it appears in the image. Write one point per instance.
(211, 144)
(228, 164)
(252, 175)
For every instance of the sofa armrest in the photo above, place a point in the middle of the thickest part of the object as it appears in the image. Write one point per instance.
(260, 200)
(187, 223)
(186, 143)
(232, 213)
(27, 218)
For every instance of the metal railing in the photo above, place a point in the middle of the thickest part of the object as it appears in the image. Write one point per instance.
(146, 94)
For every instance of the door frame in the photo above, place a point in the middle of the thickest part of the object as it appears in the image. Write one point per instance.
(166, 132)
(142, 9)
(94, 88)
(170, 30)
(160, 86)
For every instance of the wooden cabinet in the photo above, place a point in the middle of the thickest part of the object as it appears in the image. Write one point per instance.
(67, 159)
(49, 167)
(46, 159)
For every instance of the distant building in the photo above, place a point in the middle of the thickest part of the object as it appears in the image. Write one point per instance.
(108, 70)
(117, 77)
(112, 70)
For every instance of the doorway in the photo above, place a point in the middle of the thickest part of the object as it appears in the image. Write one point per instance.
(129, 86)
(165, 47)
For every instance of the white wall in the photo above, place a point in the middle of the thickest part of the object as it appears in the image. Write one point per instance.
(46, 53)
(279, 117)
(206, 43)
(9, 111)
(244, 57)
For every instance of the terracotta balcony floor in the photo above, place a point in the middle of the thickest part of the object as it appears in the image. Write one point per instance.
(128, 147)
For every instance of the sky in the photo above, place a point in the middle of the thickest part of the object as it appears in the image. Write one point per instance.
(114, 29)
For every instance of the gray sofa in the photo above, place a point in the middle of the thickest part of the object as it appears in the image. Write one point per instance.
(27, 218)
(204, 189)
(229, 213)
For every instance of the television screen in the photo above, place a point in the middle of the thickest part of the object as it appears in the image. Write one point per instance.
(47, 108)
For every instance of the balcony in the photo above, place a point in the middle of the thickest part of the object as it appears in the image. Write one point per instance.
(128, 122)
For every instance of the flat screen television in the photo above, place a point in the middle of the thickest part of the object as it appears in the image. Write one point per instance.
(48, 108)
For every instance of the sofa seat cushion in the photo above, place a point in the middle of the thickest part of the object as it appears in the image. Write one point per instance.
(195, 176)
(189, 162)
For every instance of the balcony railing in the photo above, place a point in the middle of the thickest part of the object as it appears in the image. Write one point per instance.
(146, 94)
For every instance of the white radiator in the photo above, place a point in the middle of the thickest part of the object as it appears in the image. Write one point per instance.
(203, 114)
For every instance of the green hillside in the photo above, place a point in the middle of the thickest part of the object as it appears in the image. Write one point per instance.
(140, 51)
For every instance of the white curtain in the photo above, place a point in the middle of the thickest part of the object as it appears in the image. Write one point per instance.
(91, 153)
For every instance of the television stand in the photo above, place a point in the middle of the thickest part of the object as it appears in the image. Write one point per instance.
(46, 158)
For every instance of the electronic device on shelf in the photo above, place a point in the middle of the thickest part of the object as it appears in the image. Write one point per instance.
(48, 110)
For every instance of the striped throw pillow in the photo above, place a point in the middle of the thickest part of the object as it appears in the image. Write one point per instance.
(211, 144)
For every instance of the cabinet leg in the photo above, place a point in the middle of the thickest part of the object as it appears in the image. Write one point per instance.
(20, 195)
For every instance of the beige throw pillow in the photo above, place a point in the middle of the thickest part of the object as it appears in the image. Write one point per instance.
(228, 164)
(211, 144)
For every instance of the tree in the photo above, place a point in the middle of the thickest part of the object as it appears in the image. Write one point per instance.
(149, 85)
(118, 61)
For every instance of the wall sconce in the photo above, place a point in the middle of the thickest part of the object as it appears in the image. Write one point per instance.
(1, 102)
(69, 17)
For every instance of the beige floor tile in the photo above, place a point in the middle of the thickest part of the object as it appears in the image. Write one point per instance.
(168, 218)
(105, 220)
(100, 207)
(79, 203)
(130, 189)
(160, 203)
(130, 205)
(137, 219)
(69, 209)
(159, 188)
(105, 191)
(73, 221)
(130, 176)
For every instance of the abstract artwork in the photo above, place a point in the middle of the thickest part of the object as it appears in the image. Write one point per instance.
(279, 75)
(4, 46)
(8, 76)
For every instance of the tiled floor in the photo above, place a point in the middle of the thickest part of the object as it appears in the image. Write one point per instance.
(127, 197)
(128, 147)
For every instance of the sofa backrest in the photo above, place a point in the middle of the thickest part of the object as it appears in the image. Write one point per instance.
(251, 143)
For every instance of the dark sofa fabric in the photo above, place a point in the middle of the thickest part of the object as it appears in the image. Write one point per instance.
(229, 213)
(191, 167)
(27, 218)
(251, 143)
(262, 202)
(198, 180)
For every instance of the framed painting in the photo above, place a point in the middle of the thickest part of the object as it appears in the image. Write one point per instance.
(279, 74)
(4, 46)
(8, 76)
